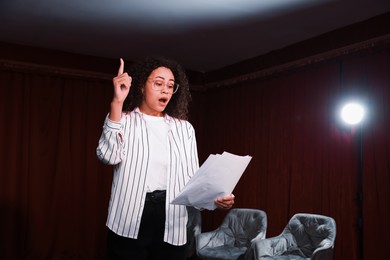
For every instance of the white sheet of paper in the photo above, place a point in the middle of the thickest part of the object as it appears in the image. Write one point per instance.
(217, 177)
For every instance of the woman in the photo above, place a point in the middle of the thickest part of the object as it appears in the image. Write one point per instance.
(153, 149)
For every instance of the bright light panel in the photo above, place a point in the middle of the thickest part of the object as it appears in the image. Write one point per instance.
(352, 113)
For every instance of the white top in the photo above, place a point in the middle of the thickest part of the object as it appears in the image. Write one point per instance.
(158, 167)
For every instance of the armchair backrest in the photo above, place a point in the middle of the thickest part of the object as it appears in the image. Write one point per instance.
(244, 225)
(310, 231)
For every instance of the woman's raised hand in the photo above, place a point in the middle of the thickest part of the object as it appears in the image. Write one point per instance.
(122, 83)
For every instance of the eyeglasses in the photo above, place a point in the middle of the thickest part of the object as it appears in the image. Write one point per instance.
(159, 84)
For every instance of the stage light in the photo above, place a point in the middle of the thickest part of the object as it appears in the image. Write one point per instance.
(353, 113)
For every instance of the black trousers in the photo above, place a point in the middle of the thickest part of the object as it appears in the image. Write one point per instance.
(149, 245)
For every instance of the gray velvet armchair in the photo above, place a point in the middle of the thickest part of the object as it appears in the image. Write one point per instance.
(194, 227)
(233, 237)
(306, 236)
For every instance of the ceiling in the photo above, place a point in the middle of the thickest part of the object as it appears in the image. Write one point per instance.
(203, 35)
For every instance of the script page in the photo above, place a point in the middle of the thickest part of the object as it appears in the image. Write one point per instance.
(217, 177)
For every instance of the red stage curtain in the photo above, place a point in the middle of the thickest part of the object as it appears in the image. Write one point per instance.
(53, 191)
(303, 159)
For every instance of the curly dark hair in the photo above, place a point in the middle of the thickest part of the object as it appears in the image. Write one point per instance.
(139, 72)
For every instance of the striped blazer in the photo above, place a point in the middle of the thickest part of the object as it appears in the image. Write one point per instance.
(125, 145)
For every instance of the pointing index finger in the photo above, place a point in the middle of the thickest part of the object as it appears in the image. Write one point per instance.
(121, 66)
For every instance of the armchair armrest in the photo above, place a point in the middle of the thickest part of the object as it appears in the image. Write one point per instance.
(323, 252)
(250, 255)
(260, 236)
(272, 246)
